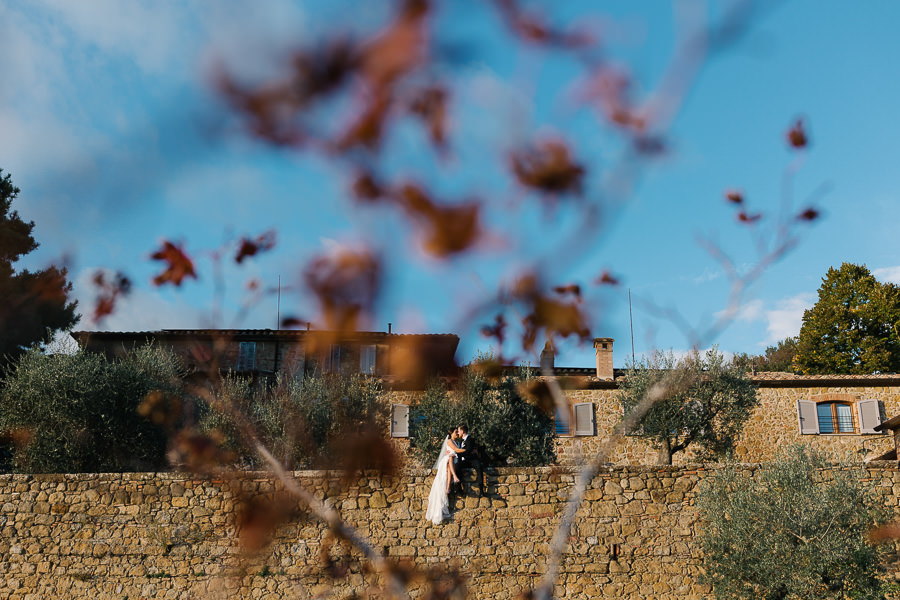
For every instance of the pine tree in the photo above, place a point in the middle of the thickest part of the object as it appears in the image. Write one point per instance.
(32, 304)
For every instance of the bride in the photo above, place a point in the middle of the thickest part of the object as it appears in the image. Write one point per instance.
(438, 501)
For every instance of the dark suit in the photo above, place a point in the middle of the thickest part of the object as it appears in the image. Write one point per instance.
(471, 459)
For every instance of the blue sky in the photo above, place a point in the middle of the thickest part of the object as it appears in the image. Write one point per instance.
(110, 126)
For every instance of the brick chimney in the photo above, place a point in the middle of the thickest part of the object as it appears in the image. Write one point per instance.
(548, 357)
(603, 347)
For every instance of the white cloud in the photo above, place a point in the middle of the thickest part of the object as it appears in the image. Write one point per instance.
(785, 320)
(887, 274)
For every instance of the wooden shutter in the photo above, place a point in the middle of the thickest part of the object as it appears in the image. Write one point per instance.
(399, 420)
(869, 415)
(807, 417)
(584, 418)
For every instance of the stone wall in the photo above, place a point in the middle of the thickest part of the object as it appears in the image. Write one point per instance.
(175, 536)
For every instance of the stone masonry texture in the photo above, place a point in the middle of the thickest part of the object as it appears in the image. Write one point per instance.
(180, 536)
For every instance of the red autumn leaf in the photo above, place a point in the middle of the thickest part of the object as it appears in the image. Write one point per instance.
(430, 104)
(606, 278)
(346, 284)
(400, 49)
(248, 247)
(548, 168)
(743, 217)
(572, 288)
(177, 264)
(734, 197)
(447, 230)
(367, 129)
(497, 330)
(810, 214)
(366, 188)
(796, 135)
(108, 293)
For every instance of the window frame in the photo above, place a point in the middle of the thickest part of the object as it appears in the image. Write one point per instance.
(865, 415)
(246, 359)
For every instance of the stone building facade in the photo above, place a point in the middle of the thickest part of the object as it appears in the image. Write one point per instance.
(834, 413)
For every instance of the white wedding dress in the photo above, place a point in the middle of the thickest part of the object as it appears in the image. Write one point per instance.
(438, 502)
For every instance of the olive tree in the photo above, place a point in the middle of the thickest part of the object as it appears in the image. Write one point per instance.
(707, 400)
(791, 531)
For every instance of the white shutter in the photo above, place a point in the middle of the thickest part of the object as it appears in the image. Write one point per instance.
(367, 359)
(399, 420)
(869, 415)
(807, 417)
(584, 418)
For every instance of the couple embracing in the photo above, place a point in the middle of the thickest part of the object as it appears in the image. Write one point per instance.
(459, 451)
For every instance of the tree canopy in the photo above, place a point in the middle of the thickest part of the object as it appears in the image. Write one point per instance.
(34, 304)
(854, 326)
(789, 532)
(779, 357)
(706, 403)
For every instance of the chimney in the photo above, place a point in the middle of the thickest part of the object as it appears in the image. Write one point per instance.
(603, 347)
(548, 357)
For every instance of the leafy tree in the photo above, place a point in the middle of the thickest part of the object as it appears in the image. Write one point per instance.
(779, 357)
(508, 428)
(308, 422)
(34, 303)
(79, 413)
(854, 326)
(789, 533)
(707, 402)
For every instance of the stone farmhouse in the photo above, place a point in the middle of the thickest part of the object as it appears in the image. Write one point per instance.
(838, 413)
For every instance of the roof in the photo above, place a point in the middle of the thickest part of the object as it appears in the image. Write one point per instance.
(258, 334)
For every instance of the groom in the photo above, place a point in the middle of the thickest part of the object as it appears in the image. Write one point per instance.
(470, 458)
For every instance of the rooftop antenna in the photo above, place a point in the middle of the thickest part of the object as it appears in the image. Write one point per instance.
(631, 324)
(278, 307)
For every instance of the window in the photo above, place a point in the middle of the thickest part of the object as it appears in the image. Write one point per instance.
(246, 356)
(334, 359)
(367, 359)
(838, 416)
(834, 417)
(399, 420)
(578, 420)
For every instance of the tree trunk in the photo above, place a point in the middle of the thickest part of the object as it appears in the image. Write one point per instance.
(665, 453)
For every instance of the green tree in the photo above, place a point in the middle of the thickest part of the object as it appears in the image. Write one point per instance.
(707, 403)
(79, 413)
(854, 326)
(789, 532)
(509, 429)
(779, 357)
(34, 304)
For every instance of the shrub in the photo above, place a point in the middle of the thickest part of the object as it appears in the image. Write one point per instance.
(78, 413)
(792, 531)
(304, 422)
(508, 429)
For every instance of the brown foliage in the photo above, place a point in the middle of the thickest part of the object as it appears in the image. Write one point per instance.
(548, 168)
(346, 284)
(177, 264)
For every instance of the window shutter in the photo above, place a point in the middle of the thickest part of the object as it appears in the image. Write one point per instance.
(584, 418)
(399, 420)
(806, 415)
(869, 415)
